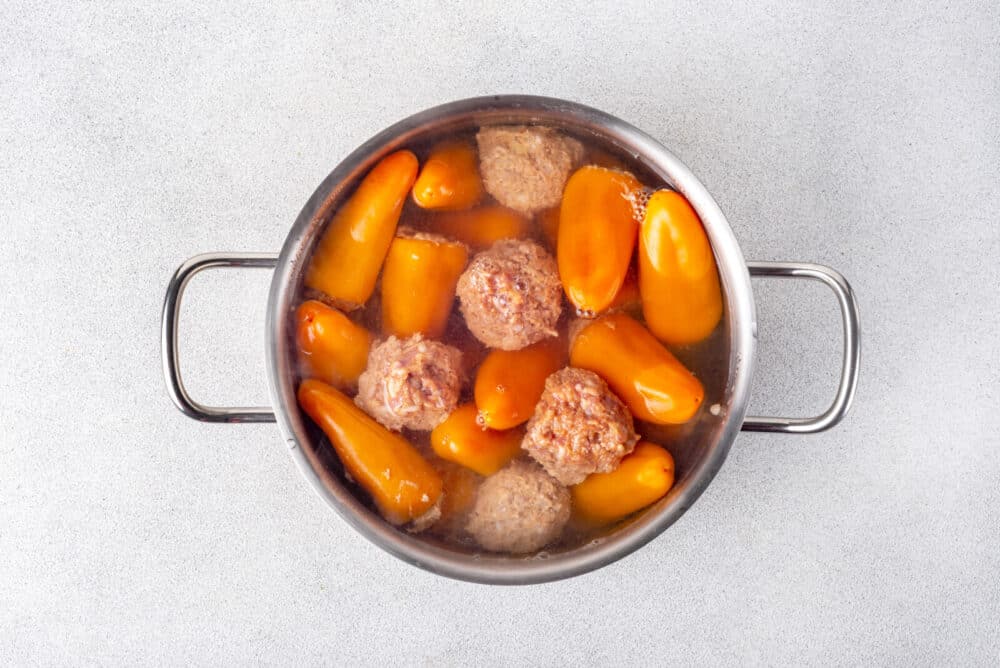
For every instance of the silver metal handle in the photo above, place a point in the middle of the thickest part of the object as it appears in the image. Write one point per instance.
(852, 348)
(171, 363)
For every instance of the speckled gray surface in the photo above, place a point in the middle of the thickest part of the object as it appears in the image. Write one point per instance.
(834, 132)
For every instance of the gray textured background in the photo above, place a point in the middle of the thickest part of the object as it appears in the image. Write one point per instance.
(832, 132)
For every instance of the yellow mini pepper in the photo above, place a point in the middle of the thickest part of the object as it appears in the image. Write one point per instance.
(449, 179)
(418, 285)
(642, 477)
(653, 383)
(349, 256)
(402, 484)
(596, 236)
(678, 278)
(480, 227)
(331, 347)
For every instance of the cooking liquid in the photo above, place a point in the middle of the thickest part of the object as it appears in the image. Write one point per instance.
(708, 360)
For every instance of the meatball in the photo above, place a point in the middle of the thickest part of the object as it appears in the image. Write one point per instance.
(412, 383)
(525, 168)
(510, 294)
(579, 427)
(519, 509)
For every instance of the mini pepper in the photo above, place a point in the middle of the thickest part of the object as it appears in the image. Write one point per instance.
(653, 383)
(463, 440)
(418, 285)
(402, 484)
(449, 179)
(596, 235)
(642, 477)
(678, 278)
(330, 346)
(349, 256)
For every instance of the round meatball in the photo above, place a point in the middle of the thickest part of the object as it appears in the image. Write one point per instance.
(510, 294)
(526, 167)
(579, 427)
(412, 383)
(519, 509)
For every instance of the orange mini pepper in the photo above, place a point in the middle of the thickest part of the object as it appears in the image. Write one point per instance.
(678, 278)
(461, 439)
(480, 227)
(418, 285)
(510, 382)
(653, 383)
(458, 495)
(642, 477)
(331, 347)
(597, 233)
(449, 178)
(349, 256)
(402, 484)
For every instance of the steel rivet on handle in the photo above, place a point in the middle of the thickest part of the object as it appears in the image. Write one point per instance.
(171, 363)
(852, 348)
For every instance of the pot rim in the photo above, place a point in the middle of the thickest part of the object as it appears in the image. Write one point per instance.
(737, 290)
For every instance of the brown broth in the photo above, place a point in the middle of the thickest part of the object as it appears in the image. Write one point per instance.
(706, 359)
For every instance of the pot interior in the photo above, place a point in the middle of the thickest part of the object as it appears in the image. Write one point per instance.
(722, 362)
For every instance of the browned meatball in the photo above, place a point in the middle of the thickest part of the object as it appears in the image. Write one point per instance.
(579, 427)
(526, 168)
(519, 509)
(412, 383)
(510, 295)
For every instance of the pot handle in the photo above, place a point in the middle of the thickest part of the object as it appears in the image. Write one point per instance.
(171, 363)
(852, 348)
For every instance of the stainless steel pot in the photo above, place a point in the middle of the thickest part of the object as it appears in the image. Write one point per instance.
(713, 434)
